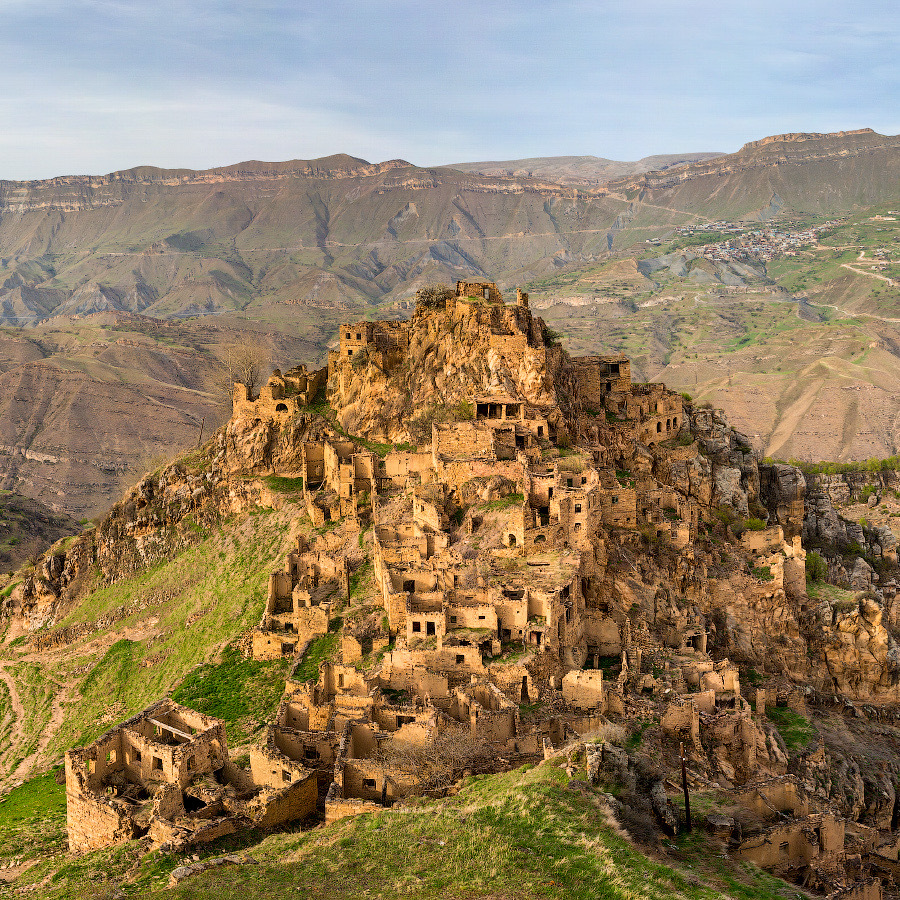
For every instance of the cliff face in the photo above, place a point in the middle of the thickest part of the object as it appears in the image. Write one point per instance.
(70, 193)
(776, 150)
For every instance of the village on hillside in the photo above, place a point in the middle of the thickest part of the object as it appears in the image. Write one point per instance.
(544, 573)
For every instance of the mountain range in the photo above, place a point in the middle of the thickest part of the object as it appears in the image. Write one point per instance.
(122, 293)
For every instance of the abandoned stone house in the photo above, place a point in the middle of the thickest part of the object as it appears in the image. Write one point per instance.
(166, 773)
(282, 396)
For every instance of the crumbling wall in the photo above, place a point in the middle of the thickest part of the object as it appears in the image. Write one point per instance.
(584, 689)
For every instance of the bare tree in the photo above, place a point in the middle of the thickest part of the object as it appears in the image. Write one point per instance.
(436, 766)
(245, 364)
(434, 295)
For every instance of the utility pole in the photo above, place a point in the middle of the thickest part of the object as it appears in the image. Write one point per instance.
(684, 784)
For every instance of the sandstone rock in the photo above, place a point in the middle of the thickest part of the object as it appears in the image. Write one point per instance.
(664, 810)
(862, 575)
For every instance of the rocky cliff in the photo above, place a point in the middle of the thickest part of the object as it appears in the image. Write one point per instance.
(775, 150)
(451, 353)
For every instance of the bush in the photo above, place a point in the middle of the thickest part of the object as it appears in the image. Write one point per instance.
(762, 573)
(754, 524)
(867, 492)
(551, 337)
(816, 567)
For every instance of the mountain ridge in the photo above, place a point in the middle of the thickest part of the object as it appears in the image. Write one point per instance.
(280, 253)
(578, 169)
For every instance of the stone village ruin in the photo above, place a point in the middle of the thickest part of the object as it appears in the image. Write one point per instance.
(506, 578)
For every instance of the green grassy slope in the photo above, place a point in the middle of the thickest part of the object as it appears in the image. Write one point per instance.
(524, 834)
(141, 636)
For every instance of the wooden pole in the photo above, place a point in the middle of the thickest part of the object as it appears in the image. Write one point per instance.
(684, 785)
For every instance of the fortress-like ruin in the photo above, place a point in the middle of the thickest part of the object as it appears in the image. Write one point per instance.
(535, 536)
(166, 773)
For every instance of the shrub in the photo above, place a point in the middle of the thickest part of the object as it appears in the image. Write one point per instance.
(552, 338)
(816, 566)
(754, 524)
(762, 573)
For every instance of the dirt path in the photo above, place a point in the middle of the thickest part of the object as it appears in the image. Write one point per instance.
(681, 212)
(57, 716)
(864, 272)
(16, 713)
(18, 710)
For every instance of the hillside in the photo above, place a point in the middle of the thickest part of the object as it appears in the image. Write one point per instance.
(800, 349)
(28, 528)
(523, 615)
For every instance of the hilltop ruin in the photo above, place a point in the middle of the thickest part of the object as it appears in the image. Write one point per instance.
(554, 552)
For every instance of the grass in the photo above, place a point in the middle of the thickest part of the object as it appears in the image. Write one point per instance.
(522, 834)
(33, 820)
(634, 741)
(36, 694)
(507, 502)
(322, 648)
(796, 730)
(284, 485)
(361, 579)
(833, 594)
(176, 615)
(242, 692)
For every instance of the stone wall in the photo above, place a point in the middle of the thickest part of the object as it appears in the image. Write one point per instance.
(598, 376)
(584, 689)
(462, 440)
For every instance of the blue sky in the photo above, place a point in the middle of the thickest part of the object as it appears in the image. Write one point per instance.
(90, 86)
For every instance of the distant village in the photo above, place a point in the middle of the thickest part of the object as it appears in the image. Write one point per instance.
(757, 245)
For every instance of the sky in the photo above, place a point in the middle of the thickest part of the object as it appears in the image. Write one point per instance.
(92, 86)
